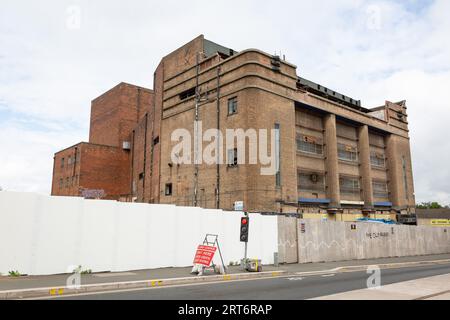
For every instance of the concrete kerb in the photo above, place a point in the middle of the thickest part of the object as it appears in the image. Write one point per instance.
(62, 291)
(158, 283)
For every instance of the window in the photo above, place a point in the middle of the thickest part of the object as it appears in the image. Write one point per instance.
(311, 181)
(187, 94)
(62, 162)
(349, 185)
(168, 190)
(232, 159)
(309, 145)
(156, 141)
(141, 176)
(67, 182)
(232, 106)
(377, 159)
(69, 160)
(380, 189)
(61, 183)
(347, 153)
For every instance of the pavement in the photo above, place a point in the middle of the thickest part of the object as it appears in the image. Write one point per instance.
(54, 285)
(430, 288)
(420, 282)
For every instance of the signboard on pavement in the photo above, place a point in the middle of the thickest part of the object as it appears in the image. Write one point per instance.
(204, 255)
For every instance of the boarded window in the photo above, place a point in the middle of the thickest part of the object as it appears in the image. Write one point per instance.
(349, 185)
(380, 189)
(309, 144)
(311, 181)
(347, 153)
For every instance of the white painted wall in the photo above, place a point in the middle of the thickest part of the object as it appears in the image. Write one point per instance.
(41, 235)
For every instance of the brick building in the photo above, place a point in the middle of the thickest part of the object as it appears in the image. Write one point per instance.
(101, 168)
(335, 158)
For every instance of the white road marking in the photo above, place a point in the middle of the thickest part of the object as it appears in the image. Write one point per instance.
(295, 279)
(328, 275)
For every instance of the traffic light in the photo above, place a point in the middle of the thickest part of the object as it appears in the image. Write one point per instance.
(245, 221)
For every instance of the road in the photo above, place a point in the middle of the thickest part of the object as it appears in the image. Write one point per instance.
(289, 288)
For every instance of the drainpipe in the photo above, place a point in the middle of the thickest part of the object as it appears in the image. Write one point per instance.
(132, 166)
(218, 141)
(145, 156)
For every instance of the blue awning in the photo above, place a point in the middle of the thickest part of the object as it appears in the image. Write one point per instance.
(383, 204)
(314, 201)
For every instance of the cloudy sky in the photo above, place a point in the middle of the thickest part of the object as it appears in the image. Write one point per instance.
(56, 56)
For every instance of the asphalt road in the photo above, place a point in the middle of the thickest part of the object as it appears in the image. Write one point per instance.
(291, 288)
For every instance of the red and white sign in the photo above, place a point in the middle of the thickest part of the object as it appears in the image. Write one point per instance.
(204, 255)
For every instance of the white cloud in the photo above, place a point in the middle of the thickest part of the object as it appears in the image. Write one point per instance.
(372, 50)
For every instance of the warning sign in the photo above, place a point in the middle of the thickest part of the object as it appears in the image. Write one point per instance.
(204, 255)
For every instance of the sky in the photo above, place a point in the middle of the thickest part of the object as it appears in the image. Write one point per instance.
(56, 56)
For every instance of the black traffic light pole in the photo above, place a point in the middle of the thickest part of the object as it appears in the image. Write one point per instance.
(244, 234)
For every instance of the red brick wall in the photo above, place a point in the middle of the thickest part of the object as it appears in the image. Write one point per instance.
(115, 114)
(105, 168)
(68, 174)
(97, 168)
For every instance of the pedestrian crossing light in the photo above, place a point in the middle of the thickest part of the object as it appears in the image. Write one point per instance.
(244, 229)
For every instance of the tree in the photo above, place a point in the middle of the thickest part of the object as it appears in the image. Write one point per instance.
(431, 205)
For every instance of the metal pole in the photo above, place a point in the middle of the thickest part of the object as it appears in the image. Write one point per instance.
(196, 132)
(245, 258)
(220, 253)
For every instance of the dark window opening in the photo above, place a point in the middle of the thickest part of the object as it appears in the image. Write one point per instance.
(168, 191)
(141, 176)
(62, 163)
(187, 94)
(156, 141)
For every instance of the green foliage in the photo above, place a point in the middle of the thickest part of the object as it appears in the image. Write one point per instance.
(431, 205)
(14, 273)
